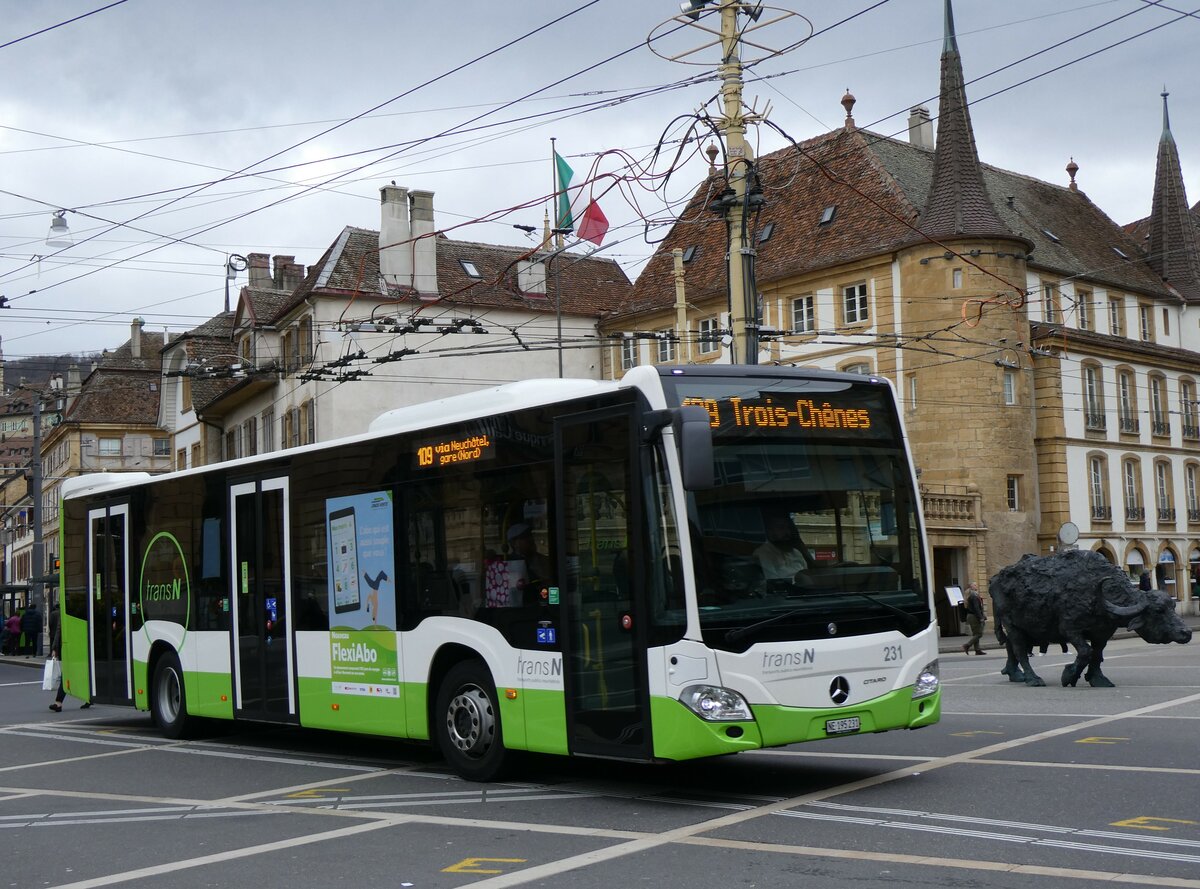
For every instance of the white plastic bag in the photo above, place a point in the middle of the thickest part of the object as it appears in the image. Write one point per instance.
(51, 674)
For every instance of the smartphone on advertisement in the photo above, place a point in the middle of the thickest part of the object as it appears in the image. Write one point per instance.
(343, 552)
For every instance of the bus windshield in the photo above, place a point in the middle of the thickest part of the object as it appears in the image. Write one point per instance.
(811, 529)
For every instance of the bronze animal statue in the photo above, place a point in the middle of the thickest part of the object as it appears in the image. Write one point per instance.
(1079, 598)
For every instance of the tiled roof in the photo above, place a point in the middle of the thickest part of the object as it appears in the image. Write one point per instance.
(122, 389)
(1173, 249)
(351, 266)
(876, 183)
(958, 203)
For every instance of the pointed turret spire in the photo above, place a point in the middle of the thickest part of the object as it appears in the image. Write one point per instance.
(958, 202)
(1174, 247)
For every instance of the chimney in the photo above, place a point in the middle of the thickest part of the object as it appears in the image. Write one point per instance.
(424, 244)
(395, 248)
(293, 275)
(135, 338)
(920, 127)
(260, 271)
(281, 263)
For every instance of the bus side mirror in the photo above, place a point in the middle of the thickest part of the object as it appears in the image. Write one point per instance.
(693, 433)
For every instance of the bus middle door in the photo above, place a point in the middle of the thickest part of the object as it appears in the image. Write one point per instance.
(262, 638)
(604, 652)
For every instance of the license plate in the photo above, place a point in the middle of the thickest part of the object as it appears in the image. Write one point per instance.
(842, 726)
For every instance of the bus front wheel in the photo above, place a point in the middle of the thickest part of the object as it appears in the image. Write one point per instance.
(168, 702)
(467, 723)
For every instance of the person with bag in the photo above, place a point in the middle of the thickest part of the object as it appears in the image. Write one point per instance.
(976, 618)
(55, 653)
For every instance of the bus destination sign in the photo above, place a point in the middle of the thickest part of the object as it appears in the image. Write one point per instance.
(448, 451)
(824, 413)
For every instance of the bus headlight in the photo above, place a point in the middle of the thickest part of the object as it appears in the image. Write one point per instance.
(927, 682)
(716, 704)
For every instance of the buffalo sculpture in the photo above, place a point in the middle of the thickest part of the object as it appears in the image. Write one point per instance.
(1079, 598)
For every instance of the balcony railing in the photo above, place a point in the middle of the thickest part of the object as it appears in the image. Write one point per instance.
(1130, 425)
(1135, 513)
(1095, 421)
(1166, 514)
(1101, 513)
(1161, 427)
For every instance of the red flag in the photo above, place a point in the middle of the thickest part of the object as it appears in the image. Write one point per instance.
(593, 225)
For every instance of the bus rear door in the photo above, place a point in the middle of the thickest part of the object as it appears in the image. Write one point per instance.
(603, 649)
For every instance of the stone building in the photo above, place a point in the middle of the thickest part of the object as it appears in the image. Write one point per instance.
(1044, 359)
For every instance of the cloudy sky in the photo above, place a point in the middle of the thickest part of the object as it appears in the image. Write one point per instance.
(175, 133)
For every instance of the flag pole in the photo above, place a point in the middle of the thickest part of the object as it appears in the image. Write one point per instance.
(557, 185)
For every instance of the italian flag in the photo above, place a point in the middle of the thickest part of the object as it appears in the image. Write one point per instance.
(576, 210)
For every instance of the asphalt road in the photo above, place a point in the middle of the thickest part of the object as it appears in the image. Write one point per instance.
(1016, 787)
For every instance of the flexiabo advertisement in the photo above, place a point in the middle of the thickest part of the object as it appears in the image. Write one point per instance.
(362, 595)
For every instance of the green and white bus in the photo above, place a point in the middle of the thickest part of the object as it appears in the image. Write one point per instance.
(560, 566)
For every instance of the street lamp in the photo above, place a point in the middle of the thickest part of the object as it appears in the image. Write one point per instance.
(234, 263)
(59, 234)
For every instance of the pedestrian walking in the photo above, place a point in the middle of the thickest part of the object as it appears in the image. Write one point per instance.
(976, 618)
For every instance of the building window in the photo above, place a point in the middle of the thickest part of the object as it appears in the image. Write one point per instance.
(1049, 304)
(162, 447)
(1146, 323)
(1116, 316)
(1083, 308)
(1093, 397)
(1014, 493)
(1127, 403)
(956, 279)
(1010, 387)
(1132, 480)
(1160, 424)
(1162, 491)
(1098, 489)
(1187, 409)
(854, 304)
(110, 447)
(804, 315)
(666, 346)
(629, 350)
(266, 422)
(710, 336)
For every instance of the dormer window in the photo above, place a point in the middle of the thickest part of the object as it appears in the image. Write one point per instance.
(469, 268)
(827, 215)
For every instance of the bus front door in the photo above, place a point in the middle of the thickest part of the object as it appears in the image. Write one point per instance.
(109, 604)
(603, 646)
(262, 639)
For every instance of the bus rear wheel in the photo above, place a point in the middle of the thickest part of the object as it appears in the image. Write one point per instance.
(467, 723)
(168, 701)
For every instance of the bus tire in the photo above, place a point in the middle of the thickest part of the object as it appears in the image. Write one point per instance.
(168, 701)
(467, 723)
